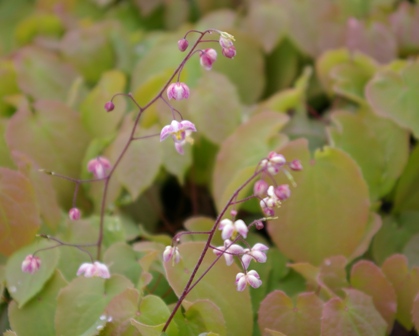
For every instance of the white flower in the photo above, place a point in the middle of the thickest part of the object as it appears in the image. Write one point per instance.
(31, 264)
(257, 252)
(230, 229)
(229, 250)
(180, 132)
(171, 252)
(251, 277)
(96, 269)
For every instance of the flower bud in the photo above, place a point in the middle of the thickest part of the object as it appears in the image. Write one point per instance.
(282, 192)
(109, 106)
(259, 225)
(260, 188)
(233, 213)
(31, 264)
(226, 40)
(74, 214)
(229, 52)
(178, 91)
(99, 166)
(182, 44)
(296, 165)
(207, 58)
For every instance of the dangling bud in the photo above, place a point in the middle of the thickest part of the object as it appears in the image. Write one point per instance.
(182, 44)
(109, 106)
(260, 188)
(74, 214)
(229, 52)
(178, 91)
(31, 264)
(207, 58)
(296, 165)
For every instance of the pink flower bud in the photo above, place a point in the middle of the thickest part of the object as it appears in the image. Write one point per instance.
(207, 58)
(229, 52)
(74, 214)
(178, 91)
(226, 40)
(260, 187)
(109, 106)
(182, 44)
(259, 225)
(31, 264)
(282, 192)
(233, 213)
(99, 166)
(296, 165)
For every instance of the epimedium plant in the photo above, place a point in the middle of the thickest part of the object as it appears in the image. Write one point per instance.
(335, 89)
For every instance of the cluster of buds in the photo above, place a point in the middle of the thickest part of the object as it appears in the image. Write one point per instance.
(271, 196)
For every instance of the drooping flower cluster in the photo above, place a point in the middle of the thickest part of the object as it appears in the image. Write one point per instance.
(96, 269)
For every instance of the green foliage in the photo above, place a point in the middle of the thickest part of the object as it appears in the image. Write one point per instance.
(331, 83)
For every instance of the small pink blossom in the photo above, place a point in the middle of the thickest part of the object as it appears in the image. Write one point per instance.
(251, 278)
(180, 132)
(96, 269)
(171, 253)
(109, 106)
(74, 214)
(257, 253)
(229, 52)
(99, 166)
(260, 188)
(31, 264)
(182, 44)
(207, 58)
(226, 40)
(230, 229)
(296, 165)
(178, 91)
(283, 192)
(229, 250)
(269, 203)
(273, 163)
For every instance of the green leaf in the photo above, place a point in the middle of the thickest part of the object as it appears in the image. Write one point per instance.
(353, 316)
(393, 95)
(138, 167)
(335, 220)
(82, 304)
(379, 146)
(94, 117)
(19, 213)
(266, 23)
(406, 284)
(241, 152)
(345, 73)
(370, 279)
(407, 191)
(214, 107)
(404, 23)
(204, 316)
(24, 286)
(42, 75)
(278, 312)
(218, 285)
(415, 312)
(46, 196)
(89, 50)
(123, 260)
(38, 314)
(122, 308)
(45, 135)
(153, 315)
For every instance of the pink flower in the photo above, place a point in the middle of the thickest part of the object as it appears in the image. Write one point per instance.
(269, 203)
(96, 269)
(182, 44)
(282, 192)
(207, 58)
(99, 166)
(226, 40)
(178, 91)
(273, 163)
(180, 132)
(296, 165)
(74, 214)
(230, 229)
(109, 106)
(257, 252)
(229, 250)
(251, 277)
(31, 264)
(260, 188)
(171, 252)
(229, 52)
